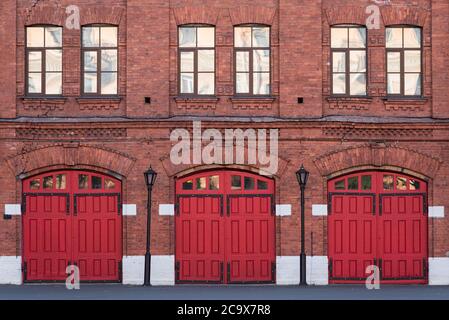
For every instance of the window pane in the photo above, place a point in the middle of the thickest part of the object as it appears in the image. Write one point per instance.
(353, 183)
(357, 37)
(388, 182)
(109, 184)
(35, 184)
(61, 181)
(188, 185)
(358, 61)
(394, 62)
(35, 61)
(109, 36)
(366, 182)
(91, 37)
(339, 37)
(242, 62)
(242, 83)
(358, 84)
(394, 38)
(187, 83)
(339, 62)
(214, 183)
(340, 185)
(35, 83)
(412, 61)
(261, 83)
(206, 37)
(90, 61)
(206, 83)
(35, 37)
(339, 84)
(109, 60)
(53, 60)
(83, 181)
(242, 37)
(53, 83)
(187, 62)
(412, 83)
(187, 37)
(206, 60)
(261, 37)
(53, 37)
(48, 182)
(201, 184)
(262, 185)
(394, 83)
(90, 82)
(414, 185)
(412, 38)
(249, 183)
(261, 60)
(109, 83)
(236, 182)
(96, 182)
(401, 183)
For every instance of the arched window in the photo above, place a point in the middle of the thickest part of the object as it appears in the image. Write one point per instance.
(349, 60)
(44, 60)
(99, 60)
(252, 56)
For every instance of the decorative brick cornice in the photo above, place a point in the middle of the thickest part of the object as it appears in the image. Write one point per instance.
(405, 104)
(374, 133)
(407, 15)
(195, 15)
(99, 104)
(252, 14)
(71, 133)
(349, 103)
(196, 103)
(252, 103)
(43, 104)
(377, 155)
(69, 155)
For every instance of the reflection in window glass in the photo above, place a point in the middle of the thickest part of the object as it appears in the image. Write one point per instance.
(366, 182)
(236, 182)
(249, 183)
(262, 185)
(83, 181)
(353, 183)
(340, 185)
(188, 185)
(48, 182)
(109, 184)
(214, 183)
(401, 183)
(388, 182)
(61, 181)
(414, 185)
(35, 184)
(96, 182)
(201, 184)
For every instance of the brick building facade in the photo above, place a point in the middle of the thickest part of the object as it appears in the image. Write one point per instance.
(337, 136)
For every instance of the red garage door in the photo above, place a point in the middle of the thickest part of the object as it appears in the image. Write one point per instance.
(225, 228)
(72, 217)
(378, 218)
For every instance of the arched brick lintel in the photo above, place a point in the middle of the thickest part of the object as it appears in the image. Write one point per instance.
(346, 15)
(252, 15)
(196, 15)
(378, 156)
(69, 155)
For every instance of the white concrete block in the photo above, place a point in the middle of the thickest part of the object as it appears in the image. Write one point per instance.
(133, 270)
(10, 270)
(13, 209)
(319, 210)
(129, 210)
(436, 212)
(287, 270)
(166, 209)
(438, 271)
(283, 210)
(317, 270)
(163, 270)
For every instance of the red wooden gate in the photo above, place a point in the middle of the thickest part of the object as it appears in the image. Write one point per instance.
(72, 217)
(225, 228)
(378, 218)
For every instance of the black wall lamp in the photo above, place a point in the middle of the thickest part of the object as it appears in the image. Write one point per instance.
(150, 179)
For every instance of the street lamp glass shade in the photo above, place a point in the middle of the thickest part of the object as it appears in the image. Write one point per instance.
(150, 177)
(303, 176)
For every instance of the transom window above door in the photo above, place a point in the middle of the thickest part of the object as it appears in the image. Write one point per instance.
(348, 61)
(252, 58)
(197, 60)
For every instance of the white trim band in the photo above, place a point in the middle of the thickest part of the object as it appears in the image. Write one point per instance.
(283, 210)
(319, 210)
(129, 210)
(13, 210)
(166, 209)
(438, 271)
(133, 270)
(10, 270)
(162, 270)
(436, 212)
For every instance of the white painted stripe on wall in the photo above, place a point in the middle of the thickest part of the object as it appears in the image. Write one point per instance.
(317, 270)
(129, 210)
(166, 209)
(287, 270)
(438, 271)
(283, 210)
(163, 270)
(13, 209)
(133, 270)
(10, 270)
(319, 210)
(436, 212)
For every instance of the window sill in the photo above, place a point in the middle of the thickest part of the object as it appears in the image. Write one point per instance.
(196, 99)
(360, 99)
(253, 98)
(406, 99)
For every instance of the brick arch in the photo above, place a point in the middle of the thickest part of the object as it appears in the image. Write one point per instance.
(52, 14)
(97, 14)
(392, 15)
(196, 15)
(378, 156)
(346, 15)
(68, 155)
(253, 14)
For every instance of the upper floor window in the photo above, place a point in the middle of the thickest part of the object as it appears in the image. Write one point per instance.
(404, 61)
(44, 60)
(197, 60)
(99, 60)
(252, 60)
(348, 46)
